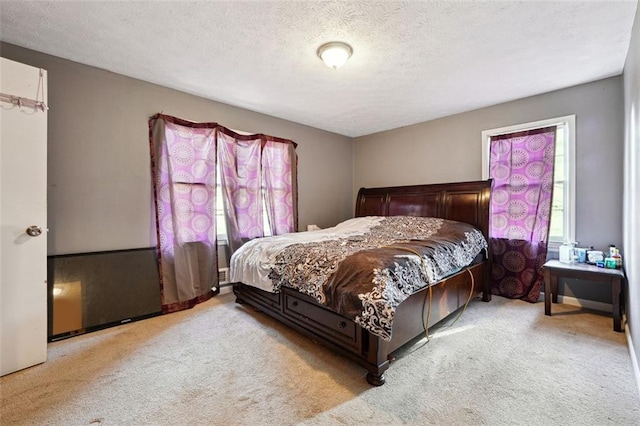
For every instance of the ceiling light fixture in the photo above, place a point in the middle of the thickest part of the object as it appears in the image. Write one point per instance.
(335, 53)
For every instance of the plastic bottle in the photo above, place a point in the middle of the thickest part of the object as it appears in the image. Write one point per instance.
(617, 258)
(566, 253)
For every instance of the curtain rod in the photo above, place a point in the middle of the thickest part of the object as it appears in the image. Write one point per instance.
(23, 102)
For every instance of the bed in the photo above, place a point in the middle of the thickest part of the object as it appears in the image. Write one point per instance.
(354, 338)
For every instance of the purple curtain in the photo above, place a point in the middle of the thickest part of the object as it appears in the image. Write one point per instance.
(279, 167)
(521, 165)
(253, 165)
(241, 178)
(183, 158)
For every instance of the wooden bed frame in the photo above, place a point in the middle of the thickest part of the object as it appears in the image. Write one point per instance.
(465, 202)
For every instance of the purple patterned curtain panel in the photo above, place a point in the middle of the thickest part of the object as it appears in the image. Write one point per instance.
(279, 167)
(521, 165)
(241, 179)
(184, 176)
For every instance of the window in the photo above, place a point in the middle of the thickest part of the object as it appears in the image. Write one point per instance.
(221, 223)
(562, 226)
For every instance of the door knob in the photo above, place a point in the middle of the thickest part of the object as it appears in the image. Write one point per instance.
(34, 231)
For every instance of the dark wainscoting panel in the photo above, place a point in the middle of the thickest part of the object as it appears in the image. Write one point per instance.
(90, 291)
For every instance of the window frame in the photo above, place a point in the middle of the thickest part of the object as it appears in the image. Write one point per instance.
(569, 201)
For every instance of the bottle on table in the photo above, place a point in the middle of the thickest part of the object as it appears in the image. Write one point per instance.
(566, 253)
(617, 258)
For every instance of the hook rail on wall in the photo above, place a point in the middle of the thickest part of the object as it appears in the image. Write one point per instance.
(23, 102)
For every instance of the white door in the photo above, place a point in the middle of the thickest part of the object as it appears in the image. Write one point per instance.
(23, 204)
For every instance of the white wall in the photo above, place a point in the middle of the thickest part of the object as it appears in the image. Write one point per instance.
(449, 149)
(99, 168)
(632, 184)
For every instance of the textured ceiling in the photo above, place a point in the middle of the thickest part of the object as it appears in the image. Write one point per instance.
(413, 61)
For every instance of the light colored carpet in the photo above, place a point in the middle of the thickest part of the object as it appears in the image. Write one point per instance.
(503, 362)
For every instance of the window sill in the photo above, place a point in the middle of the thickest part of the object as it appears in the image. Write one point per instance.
(553, 246)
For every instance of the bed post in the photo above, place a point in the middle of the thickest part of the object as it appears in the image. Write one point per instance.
(378, 357)
(486, 202)
(486, 292)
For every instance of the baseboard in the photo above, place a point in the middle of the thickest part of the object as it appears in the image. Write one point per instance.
(589, 304)
(634, 360)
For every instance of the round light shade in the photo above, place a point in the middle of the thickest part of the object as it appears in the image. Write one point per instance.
(335, 54)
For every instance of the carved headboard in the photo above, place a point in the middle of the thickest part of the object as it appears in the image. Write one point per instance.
(462, 201)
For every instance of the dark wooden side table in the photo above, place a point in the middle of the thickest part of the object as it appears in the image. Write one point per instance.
(554, 269)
